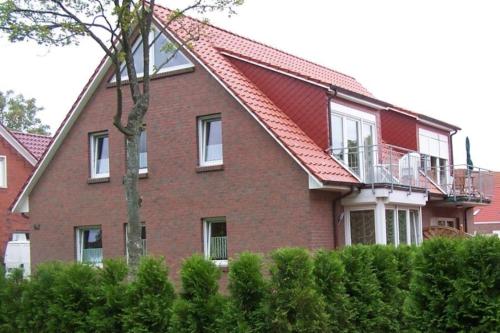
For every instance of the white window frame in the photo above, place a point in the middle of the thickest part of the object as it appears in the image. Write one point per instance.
(79, 243)
(380, 222)
(202, 121)
(206, 239)
(362, 118)
(152, 60)
(419, 234)
(435, 220)
(347, 224)
(93, 157)
(3, 176)
(144, 170)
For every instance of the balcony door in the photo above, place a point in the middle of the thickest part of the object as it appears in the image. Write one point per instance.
(353, 134)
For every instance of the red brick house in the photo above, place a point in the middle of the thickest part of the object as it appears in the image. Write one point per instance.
(19, 153)
(246, 148)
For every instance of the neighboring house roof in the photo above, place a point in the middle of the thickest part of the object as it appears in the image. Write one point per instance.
(18, 145)
(35, 143)
(491, 213)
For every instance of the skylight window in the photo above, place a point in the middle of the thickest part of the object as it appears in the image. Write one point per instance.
(163, 57)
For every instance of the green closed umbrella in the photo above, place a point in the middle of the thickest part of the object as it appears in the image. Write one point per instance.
(470, 165)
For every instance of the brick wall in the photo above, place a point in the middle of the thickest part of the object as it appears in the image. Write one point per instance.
(18, 170)
(262, 192)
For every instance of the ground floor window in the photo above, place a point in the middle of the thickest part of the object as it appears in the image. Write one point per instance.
(444, 222)
(402, 226)
(215, 240)
(362, 223)
(89, 245)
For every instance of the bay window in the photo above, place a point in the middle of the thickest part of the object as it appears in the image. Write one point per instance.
(362, 226)
(403, 226)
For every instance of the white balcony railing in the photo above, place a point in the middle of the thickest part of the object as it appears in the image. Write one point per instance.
(396, 166)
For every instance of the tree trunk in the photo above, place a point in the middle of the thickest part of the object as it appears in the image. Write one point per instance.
(134, 243)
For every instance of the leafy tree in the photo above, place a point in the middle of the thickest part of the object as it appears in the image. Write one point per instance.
(112, 24)
(20, 114)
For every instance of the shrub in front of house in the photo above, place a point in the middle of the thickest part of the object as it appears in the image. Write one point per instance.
(445, 285)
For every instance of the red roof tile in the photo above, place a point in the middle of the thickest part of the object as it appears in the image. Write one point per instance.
(208, 49)
(491, 213)
(36, 144)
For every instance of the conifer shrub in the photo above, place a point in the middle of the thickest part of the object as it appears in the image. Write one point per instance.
(149, 298)
(248, 289)
(11, 289)
(329, 275)
(436, 268)
(475, 302)
(294, 303)
(110, 301)
(363, 288)
(200, 307)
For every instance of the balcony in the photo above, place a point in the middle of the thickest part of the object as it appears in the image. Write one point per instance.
(393, 166)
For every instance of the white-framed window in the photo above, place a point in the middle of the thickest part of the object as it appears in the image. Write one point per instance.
(215, 240)
(403, 226)
(210, 140)
(3, 171)
(353, 137)
(99, 155)
(89, 245)
(360, 226)
(143, 152)
(434, 150)
(163, 54)
(143, 239)
(449, 222)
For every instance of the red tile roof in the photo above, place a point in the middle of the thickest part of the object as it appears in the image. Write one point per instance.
(491, 213)
(209, 49)
(35, 143)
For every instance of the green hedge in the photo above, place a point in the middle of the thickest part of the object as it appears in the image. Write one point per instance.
(445, 285)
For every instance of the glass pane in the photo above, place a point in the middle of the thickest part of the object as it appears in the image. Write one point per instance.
(91, 246)
(218, 241)
(138, 61)
(362, 227)
(337, 137)
(2, 172)
(101, 154)
(352, 145)
(389, 226)
(213, 140)
(442, 171)
(368, 152)
(164, 50)
(143, 151)
(414, 227)
(403, 237)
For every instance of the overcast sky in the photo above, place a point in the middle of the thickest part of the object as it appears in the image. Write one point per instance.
(440, 58)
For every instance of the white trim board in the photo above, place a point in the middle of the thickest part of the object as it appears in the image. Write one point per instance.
(488, 222)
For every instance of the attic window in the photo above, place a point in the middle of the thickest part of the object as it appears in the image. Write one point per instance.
(162, 54)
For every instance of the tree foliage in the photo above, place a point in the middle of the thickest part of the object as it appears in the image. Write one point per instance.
(20, 114)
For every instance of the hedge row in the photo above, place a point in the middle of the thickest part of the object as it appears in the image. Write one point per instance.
(442, 286)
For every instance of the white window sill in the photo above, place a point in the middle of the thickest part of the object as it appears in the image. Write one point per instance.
(211, 164)
(143, 171)
(221, 263)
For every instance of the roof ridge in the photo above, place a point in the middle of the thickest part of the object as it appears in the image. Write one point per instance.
(48, 136)
(264, 44)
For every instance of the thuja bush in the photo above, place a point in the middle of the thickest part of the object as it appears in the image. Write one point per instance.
(436, 268)
(294, 304)
(200, 305)
(149, 298)
(248, 289)
(329, 275)
(11, 289)
(364, 289)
